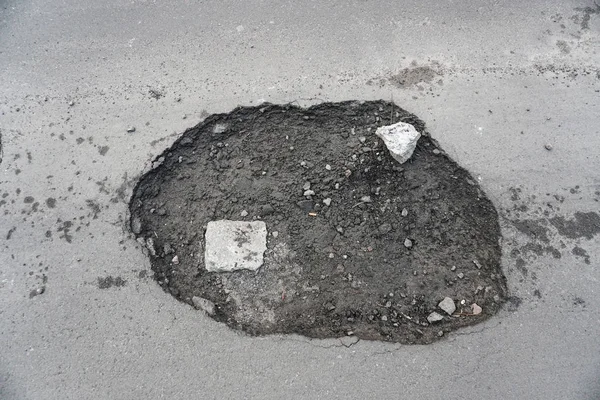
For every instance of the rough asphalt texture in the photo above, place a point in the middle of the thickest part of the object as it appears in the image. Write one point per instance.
(504, 81)
(392, 242)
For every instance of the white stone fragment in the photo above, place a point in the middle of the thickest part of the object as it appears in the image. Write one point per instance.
(447, 305)
(234, 245)
(434, 317)
(400, 139)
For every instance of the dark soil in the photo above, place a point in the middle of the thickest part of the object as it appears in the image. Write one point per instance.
(329, 271)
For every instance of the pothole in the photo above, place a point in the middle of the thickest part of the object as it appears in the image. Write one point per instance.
(356, 243)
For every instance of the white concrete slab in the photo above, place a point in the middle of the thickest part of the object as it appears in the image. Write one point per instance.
(234, 245)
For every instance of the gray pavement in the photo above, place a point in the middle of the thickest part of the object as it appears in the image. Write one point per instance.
(504, 79)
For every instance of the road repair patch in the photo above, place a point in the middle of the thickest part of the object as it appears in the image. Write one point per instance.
(340, 239)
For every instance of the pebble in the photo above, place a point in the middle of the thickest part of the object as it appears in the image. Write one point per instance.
(150, 246)
(244, 213)
(306, 186)
(436, 151)
(167, 249)
(337, 186)
(71, 103)
(453, 268)
(362, 139)
(441, 333)
(131, 129)
(267, 210)
(476, 309)
(385, 228)
(327, 201)
(548, 147)
(404, 212)
(447, 305)
(309, 193)
(275, 234)
(434, 317)
(136, 225)
(205, 305)
(408, 243)
(477, 264)
(460, 275)
(328, 167)
(175, 260)
(366, 199)
(349, 340)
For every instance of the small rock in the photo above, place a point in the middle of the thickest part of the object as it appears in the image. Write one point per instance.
(408, 243)
(447, 305)
(244, 213)
(309, 193)
(400, 139)
(384, 318)
(306, 186)
(460, 275)
(205, 305)
(136, 225)
(150, 246)
(476, 309)
(328, 167)
(167, 249)
(131, 129)
(267, 210)
(366, 199)
(327, 202)
(175, 260)
(548, 147)
(441, 333)
(306, 205)
(404, 212)
(453, 268)
(349, 340)
(385, 228)
(362, 139)
(477, 264)
(347, 173)
(436, 151)
(434, 317)
(275, 234)
(71, 103)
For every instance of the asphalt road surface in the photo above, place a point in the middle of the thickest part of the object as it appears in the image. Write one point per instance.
(495, 81)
